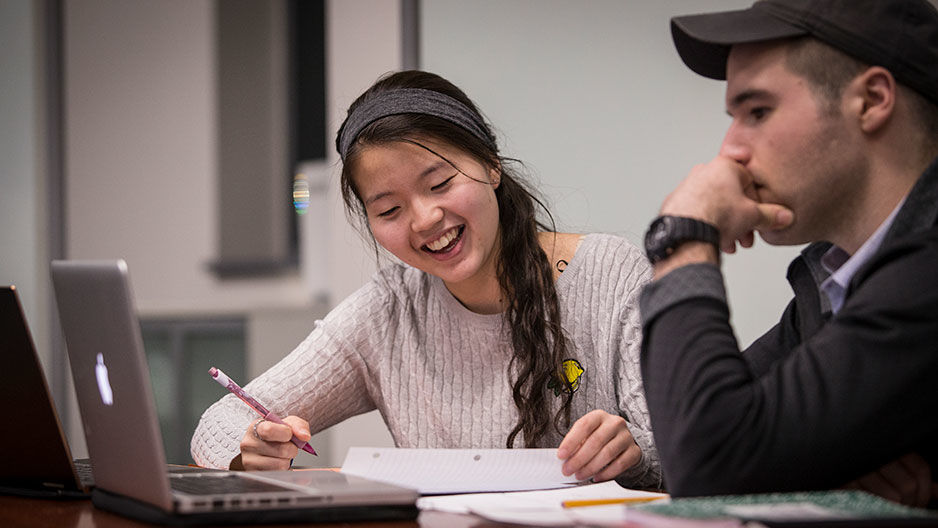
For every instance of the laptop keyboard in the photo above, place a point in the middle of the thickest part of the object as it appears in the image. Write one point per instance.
(203, 485)
(86, 475)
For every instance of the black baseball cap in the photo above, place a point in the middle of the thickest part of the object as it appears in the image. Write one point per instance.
(899, 35)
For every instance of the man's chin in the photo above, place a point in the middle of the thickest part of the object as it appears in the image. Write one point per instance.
(781, 237)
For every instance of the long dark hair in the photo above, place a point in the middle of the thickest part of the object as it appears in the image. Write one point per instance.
(524, 272)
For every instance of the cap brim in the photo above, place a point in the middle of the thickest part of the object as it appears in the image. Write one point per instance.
(704, 41)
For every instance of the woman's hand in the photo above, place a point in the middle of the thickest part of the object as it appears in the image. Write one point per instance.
(267, 445)
(599, 445)
(906, 480)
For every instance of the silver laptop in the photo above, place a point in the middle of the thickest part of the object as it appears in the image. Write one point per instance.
(35, 460)
(109, 366)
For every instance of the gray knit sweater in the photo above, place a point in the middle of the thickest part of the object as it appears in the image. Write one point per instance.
(439, 373)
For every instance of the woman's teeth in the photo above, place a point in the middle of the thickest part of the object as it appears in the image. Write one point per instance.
(444, 240)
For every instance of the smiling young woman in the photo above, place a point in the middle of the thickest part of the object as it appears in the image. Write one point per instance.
(488, 307)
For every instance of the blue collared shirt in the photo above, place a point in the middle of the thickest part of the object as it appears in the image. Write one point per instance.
(842, 265)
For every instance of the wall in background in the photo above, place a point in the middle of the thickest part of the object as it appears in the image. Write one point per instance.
(23, 252)
(142, 147)
(596, 102)
(142, 154)
(141, 170)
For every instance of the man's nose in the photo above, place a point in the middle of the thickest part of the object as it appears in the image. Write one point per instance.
(735, 146)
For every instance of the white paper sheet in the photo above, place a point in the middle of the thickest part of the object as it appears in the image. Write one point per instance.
(436, 471)
(609, 515)
(542, 500)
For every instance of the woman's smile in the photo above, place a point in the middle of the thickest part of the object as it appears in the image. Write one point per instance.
(446, 242)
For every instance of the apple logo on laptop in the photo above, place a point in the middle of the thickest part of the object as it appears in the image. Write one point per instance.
(104, 384)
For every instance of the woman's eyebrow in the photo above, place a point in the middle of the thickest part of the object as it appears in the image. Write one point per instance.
(376, 197)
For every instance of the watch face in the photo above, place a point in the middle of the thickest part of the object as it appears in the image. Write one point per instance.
(659, 231)
(668, 232)
(657, 239)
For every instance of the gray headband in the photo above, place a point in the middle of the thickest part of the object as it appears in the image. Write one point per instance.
(409, 101)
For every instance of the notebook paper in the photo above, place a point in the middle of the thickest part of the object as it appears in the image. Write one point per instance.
(551, 500)
(437, 471)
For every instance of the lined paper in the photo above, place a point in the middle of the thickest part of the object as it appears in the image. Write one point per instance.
(439, 471)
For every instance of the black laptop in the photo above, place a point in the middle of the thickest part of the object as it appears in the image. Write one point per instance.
(35, 459)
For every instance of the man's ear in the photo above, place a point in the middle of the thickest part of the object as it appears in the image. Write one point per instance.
(874, 94)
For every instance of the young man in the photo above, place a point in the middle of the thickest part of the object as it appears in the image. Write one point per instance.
(833, 142)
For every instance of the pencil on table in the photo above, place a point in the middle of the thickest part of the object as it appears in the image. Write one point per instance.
(599, 502)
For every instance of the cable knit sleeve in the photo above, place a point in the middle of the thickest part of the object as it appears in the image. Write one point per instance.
(636, 273)
(324, 380)
(600, 290)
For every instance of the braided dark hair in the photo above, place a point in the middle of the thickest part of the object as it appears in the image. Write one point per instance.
(524, 273)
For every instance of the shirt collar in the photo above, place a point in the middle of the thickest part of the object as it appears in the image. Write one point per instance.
(842, 266)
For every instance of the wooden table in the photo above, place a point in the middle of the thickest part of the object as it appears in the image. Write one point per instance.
(16, 512)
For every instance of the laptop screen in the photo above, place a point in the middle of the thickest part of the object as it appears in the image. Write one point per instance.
(112, 382)
(35, 457)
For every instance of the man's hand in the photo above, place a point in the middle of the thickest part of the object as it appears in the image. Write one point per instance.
(599, 445)
(268, 445)
(907, 480)
(722, 192)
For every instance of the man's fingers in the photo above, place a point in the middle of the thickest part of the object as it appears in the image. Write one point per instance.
(773, 217)
(875, 483)
(920, 470)
(903, 481)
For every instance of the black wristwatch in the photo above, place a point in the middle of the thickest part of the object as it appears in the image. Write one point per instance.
(666, 233)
